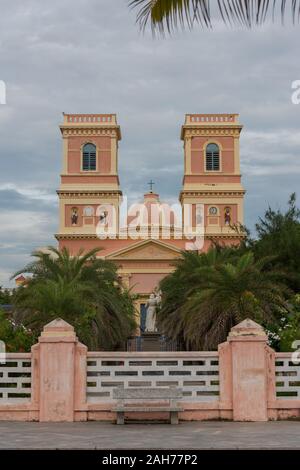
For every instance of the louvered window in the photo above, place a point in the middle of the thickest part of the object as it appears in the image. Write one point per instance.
(212, 158)
(89, 157)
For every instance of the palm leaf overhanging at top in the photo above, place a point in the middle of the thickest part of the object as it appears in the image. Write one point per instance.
(167, 15)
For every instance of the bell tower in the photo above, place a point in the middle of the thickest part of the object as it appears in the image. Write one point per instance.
(212, 172)
(89, 178)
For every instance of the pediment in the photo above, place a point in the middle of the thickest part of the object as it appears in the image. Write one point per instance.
(149, 250)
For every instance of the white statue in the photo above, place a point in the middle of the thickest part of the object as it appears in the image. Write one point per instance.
(153, 301)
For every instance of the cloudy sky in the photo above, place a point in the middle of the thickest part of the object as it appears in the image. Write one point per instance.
(88, 56)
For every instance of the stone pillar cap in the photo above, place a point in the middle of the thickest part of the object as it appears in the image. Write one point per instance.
(247, 328)
(58, 328)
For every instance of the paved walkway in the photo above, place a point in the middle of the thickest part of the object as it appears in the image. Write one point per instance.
(195, 435)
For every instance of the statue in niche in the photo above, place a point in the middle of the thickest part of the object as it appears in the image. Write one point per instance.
(227, 216)
(103, 217)
(74, 216)
(151, 306)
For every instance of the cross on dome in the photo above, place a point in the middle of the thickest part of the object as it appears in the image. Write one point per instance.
(151, 183)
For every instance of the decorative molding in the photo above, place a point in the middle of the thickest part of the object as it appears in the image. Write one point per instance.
(233, 236)
(107, 131)
(127, 267)
(102, 149)
(89, 236)
(148, 253)
(191, 131)
(212, 193)
(90, 173)
(63, 194)
(77, 236)
(145, 249)
(214, 173)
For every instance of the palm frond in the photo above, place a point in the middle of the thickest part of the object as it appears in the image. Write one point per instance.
(170, 14)
(167, 15)
(83, 290)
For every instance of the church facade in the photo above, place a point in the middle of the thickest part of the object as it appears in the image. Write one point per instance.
(145, 243)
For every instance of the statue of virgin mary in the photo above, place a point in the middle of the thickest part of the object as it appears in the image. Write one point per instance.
(150, 326)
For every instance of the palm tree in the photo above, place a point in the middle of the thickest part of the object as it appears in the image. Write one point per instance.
(215, 291)
(167, 15)
(83, 290)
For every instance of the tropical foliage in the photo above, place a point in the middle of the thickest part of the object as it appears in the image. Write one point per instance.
(278, 233)
(5, 296)
(15, 337)
(221, 288)
(167, 15)
(289, 331)
(83, 290)
(209, 293)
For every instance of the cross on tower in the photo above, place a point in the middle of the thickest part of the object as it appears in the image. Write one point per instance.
(151, 183)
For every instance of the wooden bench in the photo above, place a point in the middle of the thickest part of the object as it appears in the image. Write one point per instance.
(137, 400)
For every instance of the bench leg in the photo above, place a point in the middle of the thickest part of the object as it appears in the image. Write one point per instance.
(120, 417)
(174, 417)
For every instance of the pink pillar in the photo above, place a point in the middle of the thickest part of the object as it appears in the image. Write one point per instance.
(61, 361)
(80, 382)
(244, 372)
(225, 379)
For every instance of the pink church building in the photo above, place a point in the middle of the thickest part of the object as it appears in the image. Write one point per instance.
(90, 197)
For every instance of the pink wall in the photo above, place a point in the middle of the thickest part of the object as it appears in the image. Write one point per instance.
(145, 283)
(209, 178)
(155, 214)
(89, 178)
(80, 207)
(226, 153)
(246, 381)
(109, 246)
(103, 145)
(221, 217)
(142, 282)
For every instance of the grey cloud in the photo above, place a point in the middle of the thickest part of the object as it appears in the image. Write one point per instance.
(88, 56)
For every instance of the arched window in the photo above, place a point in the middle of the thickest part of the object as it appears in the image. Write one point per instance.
(212, 157)
(89, 157)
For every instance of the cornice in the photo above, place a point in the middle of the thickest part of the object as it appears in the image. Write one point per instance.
(85, 236)
(76, 236)
(90, 174)
(63, 193)
(215, 174)
(213, 193)
(224, 235)
(189, 131)
(91, 130)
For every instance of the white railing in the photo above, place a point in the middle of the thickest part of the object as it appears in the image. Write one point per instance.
(196, 373)
(15, 378)
(287, 377)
